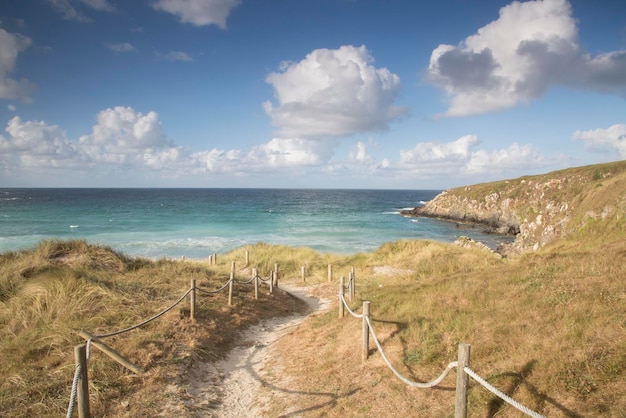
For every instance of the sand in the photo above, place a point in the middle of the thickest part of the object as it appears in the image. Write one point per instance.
(239, 386)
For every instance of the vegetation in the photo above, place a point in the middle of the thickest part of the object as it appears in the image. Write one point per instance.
(547, 328)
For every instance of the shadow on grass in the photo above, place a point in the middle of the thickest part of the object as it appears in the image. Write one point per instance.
(518, 379)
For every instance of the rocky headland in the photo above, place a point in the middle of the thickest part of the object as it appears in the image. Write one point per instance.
(536, 209)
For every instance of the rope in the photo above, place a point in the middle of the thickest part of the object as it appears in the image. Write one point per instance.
(399, 376)
(264, 280)
(213, 291)
(147, 320)
(343, 300)
(70, 408)
(501, 395)
(246, 282)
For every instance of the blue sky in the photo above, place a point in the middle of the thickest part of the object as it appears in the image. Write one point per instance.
(307, 93)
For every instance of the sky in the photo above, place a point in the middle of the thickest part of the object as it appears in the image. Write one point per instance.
(374, 94)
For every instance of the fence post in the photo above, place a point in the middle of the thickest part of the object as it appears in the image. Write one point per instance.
(341, 290)
(232, 268)
(276, 274)
(353, 283)
(230, 288)
(330, 273)
(462, 381)
(366, 331)
(192, 300)
(255, 272)
(82, 390)
(303, 274)
(271, 282)
(247, 258)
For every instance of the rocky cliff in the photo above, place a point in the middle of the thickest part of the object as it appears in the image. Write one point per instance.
(537, 209)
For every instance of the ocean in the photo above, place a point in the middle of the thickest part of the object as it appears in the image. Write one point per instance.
(171, 223)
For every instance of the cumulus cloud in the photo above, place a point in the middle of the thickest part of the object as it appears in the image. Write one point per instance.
(121, 47)
(609, 140)
(69, 11)
(531, 46)
(333, 93)
(123, 136)
(176, 56)
(11, 44)
(463, 156)
(360, 154)
(38, 144)
(125, 140)
(198, 12)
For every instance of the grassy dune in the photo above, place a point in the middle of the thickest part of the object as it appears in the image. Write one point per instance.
(547, 327)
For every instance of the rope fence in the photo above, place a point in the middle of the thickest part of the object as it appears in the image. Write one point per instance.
(79, 395)
(462, 364)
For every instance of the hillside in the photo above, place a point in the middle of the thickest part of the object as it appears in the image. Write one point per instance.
(538, 209)
(546, 327)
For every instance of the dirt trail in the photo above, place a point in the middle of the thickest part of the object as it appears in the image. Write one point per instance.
(231, 387)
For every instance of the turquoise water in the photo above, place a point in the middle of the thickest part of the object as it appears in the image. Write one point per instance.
(195, 223)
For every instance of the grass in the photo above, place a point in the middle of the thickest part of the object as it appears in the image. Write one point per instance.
(547, 328)
(50, 293)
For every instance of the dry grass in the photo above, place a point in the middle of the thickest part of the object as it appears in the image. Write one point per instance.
(53, 291)
(547, 328)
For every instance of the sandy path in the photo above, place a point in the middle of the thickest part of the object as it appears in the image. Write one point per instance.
(231, 387)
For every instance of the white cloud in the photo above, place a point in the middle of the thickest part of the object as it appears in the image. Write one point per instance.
(333, 93)
(198, 12)
(462, 157)
(531, 46)
(121, 47)
(68, 10)
(177, 56)
(11, 44)
(37, 144)
(360, 155)
(291, 152)
(609, 140)
(123, 136)
(11, 107)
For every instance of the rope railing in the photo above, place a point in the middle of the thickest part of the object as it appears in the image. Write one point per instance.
(210, 292)
(461, 364)
(152, 318)
(420, 385)
(264, 280)
(343, 300)
(501, 394)
(81, 365)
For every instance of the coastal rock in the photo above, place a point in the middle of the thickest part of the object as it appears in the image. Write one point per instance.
(536, 209)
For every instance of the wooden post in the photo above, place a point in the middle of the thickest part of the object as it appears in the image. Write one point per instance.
(192, 300)
(255, 272)
(276, 274)
(247, 258)
(303, 274)
(232, 268)
(330, 273)
(341, 292)
(462, 381)
(353, 283)
(366, 331)
(215, 258)
(349, 289)
(82, 390)
(110, 352)
(230, 288)
(271, 281)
